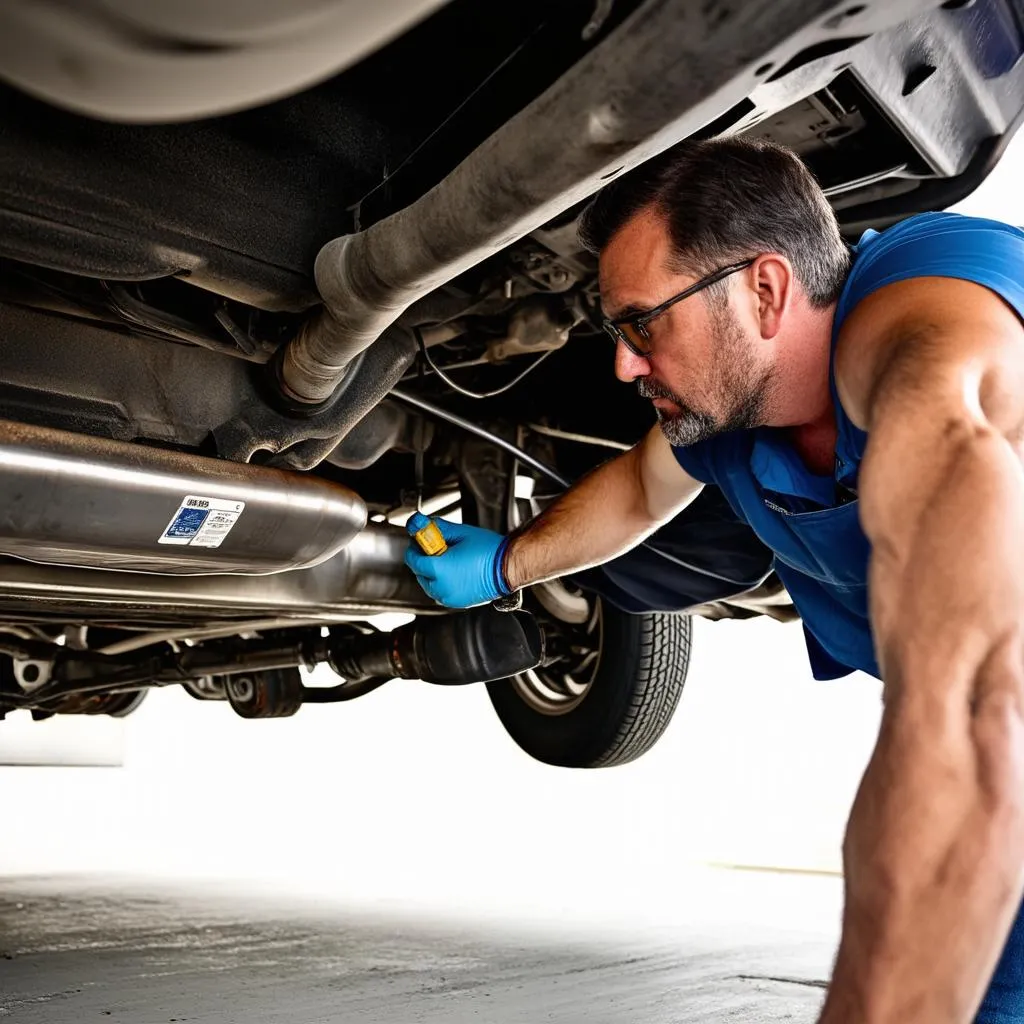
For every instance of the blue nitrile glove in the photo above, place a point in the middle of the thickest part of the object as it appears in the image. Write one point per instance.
(468, 573)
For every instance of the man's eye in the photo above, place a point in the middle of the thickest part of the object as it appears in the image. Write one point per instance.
(656, 326)
(636, 335)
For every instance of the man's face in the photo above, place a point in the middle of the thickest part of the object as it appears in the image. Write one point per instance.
(706, 372)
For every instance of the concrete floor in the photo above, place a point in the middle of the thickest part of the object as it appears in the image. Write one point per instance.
(73, 950)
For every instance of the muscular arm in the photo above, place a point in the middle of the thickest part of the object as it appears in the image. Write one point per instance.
(606, 513)
(934, 851)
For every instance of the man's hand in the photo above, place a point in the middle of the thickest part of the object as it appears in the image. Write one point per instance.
(468, 573)
(934, 854)
(609, 511)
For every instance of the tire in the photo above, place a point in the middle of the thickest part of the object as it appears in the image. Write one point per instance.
(631, 696)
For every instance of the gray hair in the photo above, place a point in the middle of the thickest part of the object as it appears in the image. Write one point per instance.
(727, 199)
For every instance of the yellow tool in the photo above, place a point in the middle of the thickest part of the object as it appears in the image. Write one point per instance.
(429, 537)
(430, 540)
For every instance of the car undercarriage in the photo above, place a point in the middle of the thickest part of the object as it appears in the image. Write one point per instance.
(249, 322)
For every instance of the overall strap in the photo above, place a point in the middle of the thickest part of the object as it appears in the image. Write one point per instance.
(850, 439)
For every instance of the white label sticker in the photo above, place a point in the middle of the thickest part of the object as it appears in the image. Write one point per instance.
(204, 522)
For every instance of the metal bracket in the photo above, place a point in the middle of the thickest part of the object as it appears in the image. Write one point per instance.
(31, 673)
(301, 441)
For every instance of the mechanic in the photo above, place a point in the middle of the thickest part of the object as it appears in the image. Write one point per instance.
(863, 411)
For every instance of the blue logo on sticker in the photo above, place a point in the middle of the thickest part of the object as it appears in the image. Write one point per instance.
(187, 522)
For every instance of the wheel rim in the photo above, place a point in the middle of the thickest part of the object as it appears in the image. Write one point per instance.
(561, 687)
(241, 689)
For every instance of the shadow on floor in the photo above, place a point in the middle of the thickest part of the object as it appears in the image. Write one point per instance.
(84, 951)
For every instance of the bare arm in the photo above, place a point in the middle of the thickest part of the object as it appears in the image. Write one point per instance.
(609, 511)
(934, 849)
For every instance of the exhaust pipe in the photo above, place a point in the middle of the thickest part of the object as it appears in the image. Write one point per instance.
(80, 501)
(366, 577)
(470, 647)
(668, 70)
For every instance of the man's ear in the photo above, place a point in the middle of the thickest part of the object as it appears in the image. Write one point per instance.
(773, 277)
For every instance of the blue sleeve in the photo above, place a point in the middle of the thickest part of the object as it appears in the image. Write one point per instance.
(986, 252)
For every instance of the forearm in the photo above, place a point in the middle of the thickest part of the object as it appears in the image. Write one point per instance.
(932, 880)
(606, 513)
(601, 516)
(935, 844)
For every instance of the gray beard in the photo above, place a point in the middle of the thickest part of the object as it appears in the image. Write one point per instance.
(739, 382)
(686, 427)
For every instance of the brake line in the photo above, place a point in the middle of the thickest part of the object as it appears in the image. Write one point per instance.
(482, 432)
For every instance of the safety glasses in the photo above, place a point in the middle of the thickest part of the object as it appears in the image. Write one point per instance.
(632, 330)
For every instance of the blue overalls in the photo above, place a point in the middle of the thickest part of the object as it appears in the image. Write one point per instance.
(811, 522)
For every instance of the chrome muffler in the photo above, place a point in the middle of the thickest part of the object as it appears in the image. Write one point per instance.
(75, 500)
(366, 577)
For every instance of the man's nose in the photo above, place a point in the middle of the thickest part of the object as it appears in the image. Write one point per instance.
(629, 366)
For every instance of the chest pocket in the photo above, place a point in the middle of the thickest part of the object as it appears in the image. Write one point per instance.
(829, 545)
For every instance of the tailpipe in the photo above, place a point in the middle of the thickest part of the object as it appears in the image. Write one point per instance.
(470, 647)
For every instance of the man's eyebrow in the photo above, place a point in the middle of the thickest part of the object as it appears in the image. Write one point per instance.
(630, 309)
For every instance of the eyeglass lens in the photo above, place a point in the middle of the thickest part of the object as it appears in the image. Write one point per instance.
(635, 338)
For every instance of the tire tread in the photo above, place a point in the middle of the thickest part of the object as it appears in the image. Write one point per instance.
(664, 658)
(635, 691)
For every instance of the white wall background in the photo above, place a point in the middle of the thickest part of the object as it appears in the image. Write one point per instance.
(415, 794)
(417, 789)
